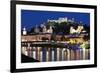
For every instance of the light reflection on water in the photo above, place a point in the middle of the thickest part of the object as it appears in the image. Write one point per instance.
(44, 54)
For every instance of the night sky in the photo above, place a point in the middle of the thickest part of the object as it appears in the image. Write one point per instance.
(30, 18)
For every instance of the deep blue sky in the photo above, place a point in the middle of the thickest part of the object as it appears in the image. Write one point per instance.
(30, 18)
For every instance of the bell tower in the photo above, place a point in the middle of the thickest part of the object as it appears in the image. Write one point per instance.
(24, 31)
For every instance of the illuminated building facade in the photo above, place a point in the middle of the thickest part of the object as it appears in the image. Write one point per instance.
(46, 46)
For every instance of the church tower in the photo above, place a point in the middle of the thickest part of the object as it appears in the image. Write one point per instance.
(24, 31)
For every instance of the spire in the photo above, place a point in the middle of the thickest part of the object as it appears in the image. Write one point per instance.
(80, 23)
(73, 19)
(36, 29)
